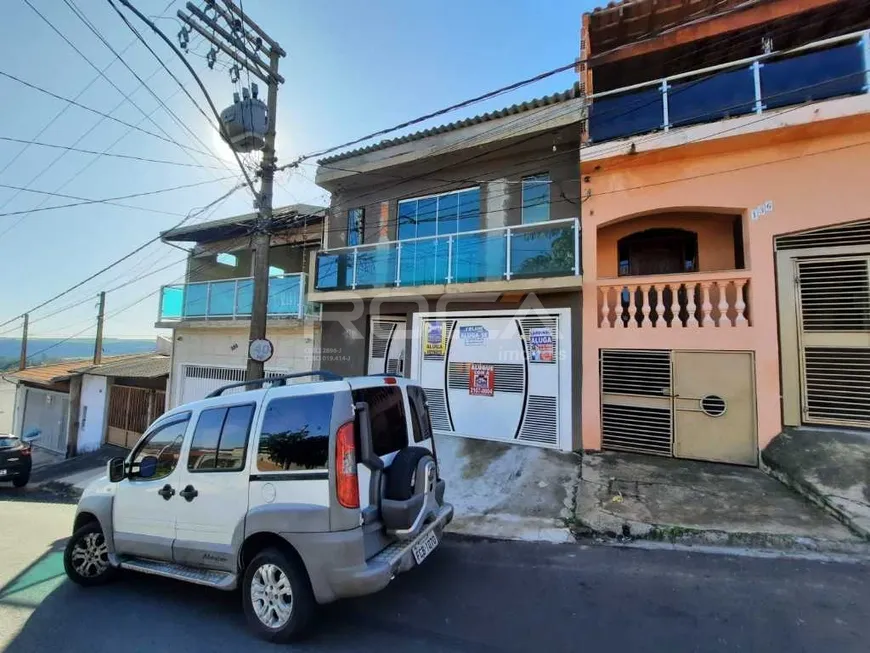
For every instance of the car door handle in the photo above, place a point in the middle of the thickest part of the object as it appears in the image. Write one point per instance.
(189, 493)
(166, 492)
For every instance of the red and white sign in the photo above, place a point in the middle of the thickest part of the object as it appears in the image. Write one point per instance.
(481, 380)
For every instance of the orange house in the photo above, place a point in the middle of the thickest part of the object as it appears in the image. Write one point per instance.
(725, 186)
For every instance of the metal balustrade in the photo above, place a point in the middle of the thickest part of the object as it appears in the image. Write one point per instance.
(231, 299)
(543, 249)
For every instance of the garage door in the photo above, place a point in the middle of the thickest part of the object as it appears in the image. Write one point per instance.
(197, 381)
(48, 413)
(497, 375)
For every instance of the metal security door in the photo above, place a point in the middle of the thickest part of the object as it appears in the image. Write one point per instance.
(714, 407)
(387, 346)
(48, 413)
(833, 309)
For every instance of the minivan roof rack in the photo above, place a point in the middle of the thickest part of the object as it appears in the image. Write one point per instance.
(275, 381)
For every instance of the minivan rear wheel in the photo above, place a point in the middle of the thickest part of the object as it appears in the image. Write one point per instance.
(277, 597)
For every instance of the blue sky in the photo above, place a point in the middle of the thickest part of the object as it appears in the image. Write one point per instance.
(352, 67)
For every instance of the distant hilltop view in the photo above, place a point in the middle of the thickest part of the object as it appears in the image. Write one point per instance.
(47, 350)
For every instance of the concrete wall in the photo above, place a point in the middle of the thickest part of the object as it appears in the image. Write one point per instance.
(344, 336)
(715, 239)
(204, 266)
(92, 414)
(497, 175)
(812, 174)
(7, 406)
(296, 349)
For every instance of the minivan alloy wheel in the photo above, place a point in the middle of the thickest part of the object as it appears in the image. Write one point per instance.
(90, 555)
(271, 596)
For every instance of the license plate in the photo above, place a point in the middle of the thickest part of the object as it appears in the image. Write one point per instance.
(2, 472)
(424, 547)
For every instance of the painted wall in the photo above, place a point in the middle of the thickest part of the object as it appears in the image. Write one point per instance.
(296, 350)
(715, 239)
(814, 174)
(7, 406)
(92, 414)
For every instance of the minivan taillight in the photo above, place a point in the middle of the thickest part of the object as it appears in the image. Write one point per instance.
(346, 483)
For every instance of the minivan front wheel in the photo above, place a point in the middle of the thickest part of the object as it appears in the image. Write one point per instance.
(86, 557)
(277, 596)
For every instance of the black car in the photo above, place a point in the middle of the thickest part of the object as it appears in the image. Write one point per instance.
(15, 460)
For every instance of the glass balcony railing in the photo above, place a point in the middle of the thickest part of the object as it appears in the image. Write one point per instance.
(231, 299)
(544, 249)
(832, 68)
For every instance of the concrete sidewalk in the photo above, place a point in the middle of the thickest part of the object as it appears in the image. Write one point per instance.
(73, 475)
(683, 501)
(831, 467)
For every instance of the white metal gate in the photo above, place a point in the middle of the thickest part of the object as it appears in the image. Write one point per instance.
(47, 412)
(834, 336)
(197, 381)
(497, 375)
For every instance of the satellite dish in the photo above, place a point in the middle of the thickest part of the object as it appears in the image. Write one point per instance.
(244, 123)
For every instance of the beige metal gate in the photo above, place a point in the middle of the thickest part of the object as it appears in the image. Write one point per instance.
(833, 307)
(131, 411)
(687, 404)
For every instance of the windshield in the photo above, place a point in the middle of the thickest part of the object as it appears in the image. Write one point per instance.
(7, 441)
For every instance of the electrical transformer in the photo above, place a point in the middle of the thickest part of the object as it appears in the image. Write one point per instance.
(245, 122)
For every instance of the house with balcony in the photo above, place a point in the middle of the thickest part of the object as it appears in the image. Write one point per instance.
(726, 224)
(209, 313)
(452, 256)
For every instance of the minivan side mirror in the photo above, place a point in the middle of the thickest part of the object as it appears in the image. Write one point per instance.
(115, 470)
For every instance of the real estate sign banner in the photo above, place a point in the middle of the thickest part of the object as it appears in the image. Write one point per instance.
(435, 342)
(481, 380)
(541, 343)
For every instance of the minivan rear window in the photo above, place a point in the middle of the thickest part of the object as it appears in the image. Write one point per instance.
(387, 410)
(295, 434)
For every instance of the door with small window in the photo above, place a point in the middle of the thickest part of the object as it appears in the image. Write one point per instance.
(144, 508)
(213, 485)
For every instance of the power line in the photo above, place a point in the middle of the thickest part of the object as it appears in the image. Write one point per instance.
(131, 157)
(120, 260)
(109, 200)
(83, 199)
(156, 30)
(81, 93)
(100, 113)
(80, 15)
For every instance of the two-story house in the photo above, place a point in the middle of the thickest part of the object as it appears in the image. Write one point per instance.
(725, 185)
(209, 313)
(452, 256)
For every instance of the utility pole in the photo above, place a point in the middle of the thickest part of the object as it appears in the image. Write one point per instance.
(22, 361)
(98, 344)
(234, 42)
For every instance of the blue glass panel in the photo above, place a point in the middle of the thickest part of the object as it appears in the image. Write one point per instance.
(536, 199)
(334, 271)
(355, 226)
(447, 207)
(171, 302)
(812, 77)
(427, 216)
(221, 298)
(479, 257)
(542, 251)
(195, 300)
(407, 219)
(723, 95)
(616, 116)
(284, 295)
(376, 266)
(424, 262)
(469, 210)
(245, 297)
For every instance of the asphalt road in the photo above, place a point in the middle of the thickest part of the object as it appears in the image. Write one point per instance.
(469, 596)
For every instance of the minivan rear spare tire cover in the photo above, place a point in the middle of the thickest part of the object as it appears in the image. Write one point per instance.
(400, 474)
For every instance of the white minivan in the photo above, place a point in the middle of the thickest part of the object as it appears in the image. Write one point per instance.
(300, 493)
